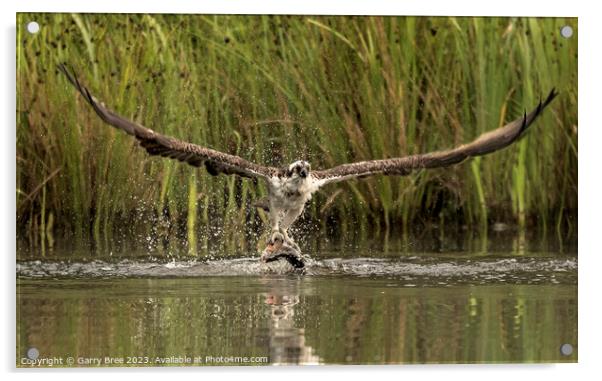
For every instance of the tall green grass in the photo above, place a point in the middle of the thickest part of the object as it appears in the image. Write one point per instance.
(277, 88)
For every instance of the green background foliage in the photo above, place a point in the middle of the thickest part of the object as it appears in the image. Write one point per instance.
(274, 89)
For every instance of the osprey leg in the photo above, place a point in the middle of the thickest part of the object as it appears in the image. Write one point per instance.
(290, 216)
(278, 248)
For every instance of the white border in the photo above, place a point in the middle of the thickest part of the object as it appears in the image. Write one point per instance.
(335, 7)
(589, 33)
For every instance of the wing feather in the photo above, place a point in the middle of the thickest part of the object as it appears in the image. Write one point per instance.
(484, 144)
(157, 144)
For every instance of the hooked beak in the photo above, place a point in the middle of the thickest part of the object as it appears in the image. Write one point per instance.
(303, 173)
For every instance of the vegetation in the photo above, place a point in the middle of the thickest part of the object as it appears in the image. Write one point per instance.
(330, 320)
(276, 88)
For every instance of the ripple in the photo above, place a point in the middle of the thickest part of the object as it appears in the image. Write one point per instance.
(420, 270)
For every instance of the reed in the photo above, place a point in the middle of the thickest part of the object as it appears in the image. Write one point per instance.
(277, 88)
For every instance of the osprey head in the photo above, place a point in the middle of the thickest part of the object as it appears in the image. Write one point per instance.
(299, 168)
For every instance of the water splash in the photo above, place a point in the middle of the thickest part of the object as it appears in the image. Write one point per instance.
(412, 271)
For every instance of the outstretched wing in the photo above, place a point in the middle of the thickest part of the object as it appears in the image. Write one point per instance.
(157, 144)
(484, 144)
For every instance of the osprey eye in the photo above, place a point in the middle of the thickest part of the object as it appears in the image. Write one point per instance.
(290, 187)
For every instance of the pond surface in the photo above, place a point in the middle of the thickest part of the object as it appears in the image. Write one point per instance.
(346, 308)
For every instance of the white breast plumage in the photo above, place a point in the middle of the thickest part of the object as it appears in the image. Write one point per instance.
(291, 188)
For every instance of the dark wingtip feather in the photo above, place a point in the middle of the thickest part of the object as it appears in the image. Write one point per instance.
(92, 102)
(553, 94)
(62, 67)
(72, 78)
(88, 96)
(528, 119)
(524, 125)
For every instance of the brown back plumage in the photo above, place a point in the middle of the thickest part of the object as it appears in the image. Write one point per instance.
(218, 162)
(484, 144)
(156, 144)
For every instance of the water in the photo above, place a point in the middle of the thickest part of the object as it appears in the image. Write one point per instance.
(346, 309)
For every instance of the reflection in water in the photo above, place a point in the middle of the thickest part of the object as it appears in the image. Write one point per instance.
(297, 319)
(443, 303)
(287, 341)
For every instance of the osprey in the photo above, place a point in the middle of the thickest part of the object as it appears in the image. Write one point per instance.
(290, 188)
(279, 248)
